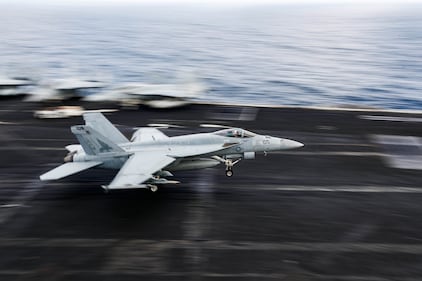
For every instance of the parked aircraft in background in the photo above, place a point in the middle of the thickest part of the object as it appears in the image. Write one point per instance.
(152, 95)
(63, 89)
(150, 156)
(13, 86)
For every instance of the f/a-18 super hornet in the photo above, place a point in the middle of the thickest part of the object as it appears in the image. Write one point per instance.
(150, 156)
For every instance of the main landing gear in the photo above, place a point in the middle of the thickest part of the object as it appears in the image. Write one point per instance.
(152, 187)
(229, 164)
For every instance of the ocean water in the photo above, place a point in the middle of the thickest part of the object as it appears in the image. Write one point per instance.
(307, 55)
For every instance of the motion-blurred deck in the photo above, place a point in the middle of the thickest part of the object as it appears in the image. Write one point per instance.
(347, 206)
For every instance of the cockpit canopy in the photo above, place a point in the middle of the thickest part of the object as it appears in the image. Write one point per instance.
(235, 133)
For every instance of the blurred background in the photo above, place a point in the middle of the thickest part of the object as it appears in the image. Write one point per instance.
(318, 53)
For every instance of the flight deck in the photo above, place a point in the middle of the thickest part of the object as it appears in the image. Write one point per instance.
(346, 206)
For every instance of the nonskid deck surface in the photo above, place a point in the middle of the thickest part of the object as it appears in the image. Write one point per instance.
(347, 206)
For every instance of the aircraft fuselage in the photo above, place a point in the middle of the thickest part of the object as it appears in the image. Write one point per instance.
(194, 151)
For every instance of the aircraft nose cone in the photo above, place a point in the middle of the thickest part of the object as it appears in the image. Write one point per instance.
(290, 144)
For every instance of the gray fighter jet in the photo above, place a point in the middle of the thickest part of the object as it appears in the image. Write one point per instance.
(150, 156)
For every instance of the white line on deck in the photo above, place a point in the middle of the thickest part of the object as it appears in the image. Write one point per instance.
(27, 139)
(30, 148)
(363, 189)
(217, 245)
(390, 118)
(10, 205)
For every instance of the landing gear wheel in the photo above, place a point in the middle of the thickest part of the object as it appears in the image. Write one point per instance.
(229, 163)
(153, 188)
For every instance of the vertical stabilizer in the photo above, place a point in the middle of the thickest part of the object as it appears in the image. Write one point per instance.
(93, 142)
(97, 121)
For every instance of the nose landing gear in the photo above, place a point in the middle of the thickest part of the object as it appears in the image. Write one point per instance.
(229, 164)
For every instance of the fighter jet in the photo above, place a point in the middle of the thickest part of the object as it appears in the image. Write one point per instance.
(152, 95)
(63, 89)
(13, 86)
(150, 156)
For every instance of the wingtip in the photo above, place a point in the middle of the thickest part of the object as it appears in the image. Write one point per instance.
(44, 177)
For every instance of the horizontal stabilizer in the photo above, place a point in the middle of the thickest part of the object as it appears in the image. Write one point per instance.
(68, 169)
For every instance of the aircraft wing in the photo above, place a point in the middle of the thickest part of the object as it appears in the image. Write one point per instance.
(139, 168)
(68, 169)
